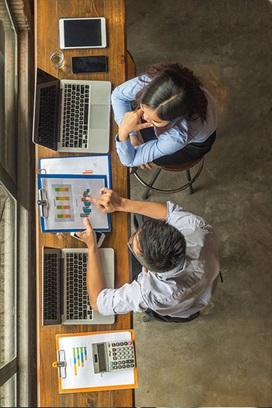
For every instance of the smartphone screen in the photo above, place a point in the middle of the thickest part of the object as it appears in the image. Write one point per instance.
(100, 236)
(89, 64)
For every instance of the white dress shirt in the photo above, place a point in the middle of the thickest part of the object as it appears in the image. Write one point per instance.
(179, 292)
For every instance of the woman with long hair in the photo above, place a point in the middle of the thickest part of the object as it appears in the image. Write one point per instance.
(165, 116)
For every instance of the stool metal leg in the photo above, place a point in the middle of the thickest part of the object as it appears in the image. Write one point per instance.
(152, 181)
(189, 178)
(190, 181)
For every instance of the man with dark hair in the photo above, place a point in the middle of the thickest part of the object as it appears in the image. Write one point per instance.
(178, 254)
(162, 246)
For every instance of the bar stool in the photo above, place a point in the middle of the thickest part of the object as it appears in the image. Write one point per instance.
(172, 168)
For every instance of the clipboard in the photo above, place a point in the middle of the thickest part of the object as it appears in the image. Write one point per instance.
(61, 199)
(82, 378)
(91, 164)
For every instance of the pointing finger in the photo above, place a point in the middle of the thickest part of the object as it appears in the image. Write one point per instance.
(86, 223)
(104, 190)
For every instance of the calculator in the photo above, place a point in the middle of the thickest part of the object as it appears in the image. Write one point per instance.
(112, 356)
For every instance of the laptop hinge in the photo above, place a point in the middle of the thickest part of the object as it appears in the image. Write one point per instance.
(59, 114)
(61, 285)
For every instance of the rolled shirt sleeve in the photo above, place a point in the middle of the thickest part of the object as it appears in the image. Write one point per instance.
(126, 299)
(183, 220)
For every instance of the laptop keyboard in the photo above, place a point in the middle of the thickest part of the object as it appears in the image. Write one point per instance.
(50, 287)
(46, 134)
(75, 115)
(77, 301)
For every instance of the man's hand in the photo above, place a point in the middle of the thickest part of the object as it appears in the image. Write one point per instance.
(95, 277)
(108, 202)
(88, 236)
(132, 122)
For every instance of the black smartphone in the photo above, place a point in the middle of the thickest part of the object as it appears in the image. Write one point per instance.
(90, 64)
(100, 236)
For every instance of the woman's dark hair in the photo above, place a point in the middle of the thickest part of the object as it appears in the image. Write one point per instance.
(174, 91)
(162, 246)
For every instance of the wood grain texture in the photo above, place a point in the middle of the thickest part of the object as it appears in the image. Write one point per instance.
(47, 14)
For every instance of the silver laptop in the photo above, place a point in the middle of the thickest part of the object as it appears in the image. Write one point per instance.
(64, 286)
(71, 115)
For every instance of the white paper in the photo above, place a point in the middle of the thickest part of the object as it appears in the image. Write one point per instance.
(77, 165)
(80, 372)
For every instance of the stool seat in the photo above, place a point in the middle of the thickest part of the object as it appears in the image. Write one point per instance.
(180, 167)
(172, 168)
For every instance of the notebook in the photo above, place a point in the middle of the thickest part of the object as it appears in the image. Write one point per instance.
(64, 286)
(71, 115)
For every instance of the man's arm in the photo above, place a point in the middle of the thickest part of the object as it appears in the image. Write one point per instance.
(109, 202)
(95, 276)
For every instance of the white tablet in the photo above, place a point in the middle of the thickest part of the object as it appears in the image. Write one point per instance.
(82, 32)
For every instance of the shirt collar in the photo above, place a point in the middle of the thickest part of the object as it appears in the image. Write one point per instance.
(172, 273)
(171, 124)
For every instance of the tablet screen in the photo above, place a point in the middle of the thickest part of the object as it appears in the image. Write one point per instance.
(82, 33)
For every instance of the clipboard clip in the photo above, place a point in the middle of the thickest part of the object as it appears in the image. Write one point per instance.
(60, 364)
(43, 202)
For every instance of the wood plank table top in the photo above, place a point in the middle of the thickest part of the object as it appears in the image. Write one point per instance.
(47, 14)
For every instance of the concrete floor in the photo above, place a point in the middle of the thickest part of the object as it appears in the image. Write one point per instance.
(224, 358)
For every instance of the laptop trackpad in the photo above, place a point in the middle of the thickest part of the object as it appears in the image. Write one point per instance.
(99, 117)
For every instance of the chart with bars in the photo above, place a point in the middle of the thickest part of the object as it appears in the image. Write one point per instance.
(86, 205)
(79, 358)
(63, 202)
(68, 202)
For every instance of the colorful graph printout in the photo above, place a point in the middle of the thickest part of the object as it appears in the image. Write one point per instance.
(66, 201)
(63, 202)
(79, 358)
(86, 205)
(80, 375)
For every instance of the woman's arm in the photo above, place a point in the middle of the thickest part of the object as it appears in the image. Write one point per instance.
(124, 94)
(167, 143)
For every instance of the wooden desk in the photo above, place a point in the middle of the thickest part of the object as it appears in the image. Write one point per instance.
(47, 14)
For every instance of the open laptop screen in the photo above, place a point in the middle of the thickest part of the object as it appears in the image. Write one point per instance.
(46, 110)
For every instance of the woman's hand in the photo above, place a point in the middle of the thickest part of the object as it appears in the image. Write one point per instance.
(132, 122)
(136, 138)
(148, 166)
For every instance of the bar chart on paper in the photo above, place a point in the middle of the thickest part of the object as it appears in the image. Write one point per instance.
(79, 358)
(67, 199)
(63, 202)
(80, 375)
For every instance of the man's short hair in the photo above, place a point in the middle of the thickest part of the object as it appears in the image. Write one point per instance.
(162, 246)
